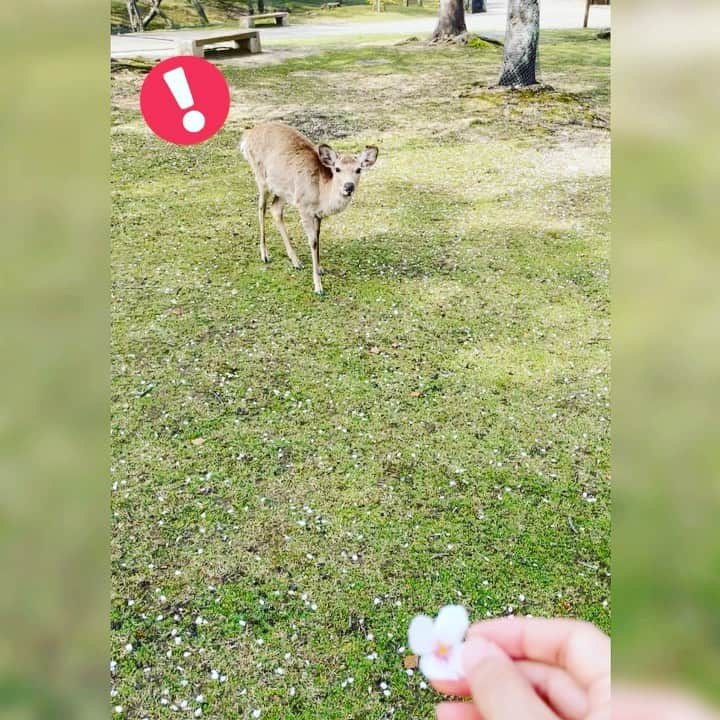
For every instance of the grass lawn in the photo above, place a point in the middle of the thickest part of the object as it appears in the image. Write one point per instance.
(295, 477)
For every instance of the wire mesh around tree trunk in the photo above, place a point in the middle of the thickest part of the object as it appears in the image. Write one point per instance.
(522, 74)
(520, 66)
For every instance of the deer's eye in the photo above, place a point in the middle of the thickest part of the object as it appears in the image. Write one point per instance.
(357, 171)
(337, 169)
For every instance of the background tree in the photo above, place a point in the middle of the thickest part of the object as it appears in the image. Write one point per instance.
(134, 16)
(521, 41)
(200, 10)
(139, 22)
(451, 20)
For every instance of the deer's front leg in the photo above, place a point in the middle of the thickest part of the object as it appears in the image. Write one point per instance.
(311, 224)
(320, 267)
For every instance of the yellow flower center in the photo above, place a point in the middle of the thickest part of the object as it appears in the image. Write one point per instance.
(442, 651)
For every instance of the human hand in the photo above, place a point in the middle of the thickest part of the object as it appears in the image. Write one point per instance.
(531, 669)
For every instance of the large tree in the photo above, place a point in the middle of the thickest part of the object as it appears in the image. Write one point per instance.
(451, 20)
(521, 41)
(139, 22)
(134, 16)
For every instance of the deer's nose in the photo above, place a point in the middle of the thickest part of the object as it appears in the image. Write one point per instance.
(349, 188)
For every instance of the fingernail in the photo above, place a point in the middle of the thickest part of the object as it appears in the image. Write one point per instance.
(478, 649)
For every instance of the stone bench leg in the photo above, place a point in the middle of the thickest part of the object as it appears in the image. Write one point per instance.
(249, 45)
(247, 22)
(284, 20)
(189, 47)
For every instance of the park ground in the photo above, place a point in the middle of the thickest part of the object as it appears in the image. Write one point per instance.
(180, 13)
(295, 477)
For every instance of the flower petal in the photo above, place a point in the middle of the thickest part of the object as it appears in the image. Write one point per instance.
(434, 669)
(421, 634)
(451, 624)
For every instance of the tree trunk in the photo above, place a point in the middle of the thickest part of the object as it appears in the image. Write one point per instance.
(200, 10)
(152, 12)
(451, 20)
(136, 24)
(521, 41)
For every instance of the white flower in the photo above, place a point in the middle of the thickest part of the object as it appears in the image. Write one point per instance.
(439, 642)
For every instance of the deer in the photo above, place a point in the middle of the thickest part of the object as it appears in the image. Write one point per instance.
(315, 179)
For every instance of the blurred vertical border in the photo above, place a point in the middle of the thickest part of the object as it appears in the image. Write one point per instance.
(54, 289)
(666, 347)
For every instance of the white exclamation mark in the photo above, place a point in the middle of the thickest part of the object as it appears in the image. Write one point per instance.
(193, 120)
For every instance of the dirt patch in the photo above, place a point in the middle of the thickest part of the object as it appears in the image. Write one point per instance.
(269, 56)
(581, 156)
(321, 125)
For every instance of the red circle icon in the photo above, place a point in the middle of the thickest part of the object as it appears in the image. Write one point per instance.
(185, 100)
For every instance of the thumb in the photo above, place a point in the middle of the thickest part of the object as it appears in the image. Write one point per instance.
(499, 691)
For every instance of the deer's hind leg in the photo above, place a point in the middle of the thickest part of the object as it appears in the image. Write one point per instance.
(276, 208)
(262, 206)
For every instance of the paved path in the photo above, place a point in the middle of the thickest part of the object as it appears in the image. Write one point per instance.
(553, 14)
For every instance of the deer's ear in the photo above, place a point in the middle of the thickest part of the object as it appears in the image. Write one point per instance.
(327, 155)
(368, 156)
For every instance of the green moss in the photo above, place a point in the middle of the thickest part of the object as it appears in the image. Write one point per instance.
(479, 44)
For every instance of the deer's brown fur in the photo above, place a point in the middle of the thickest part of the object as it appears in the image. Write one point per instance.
(289, 169)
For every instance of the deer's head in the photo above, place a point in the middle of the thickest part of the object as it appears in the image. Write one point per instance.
(346, 169)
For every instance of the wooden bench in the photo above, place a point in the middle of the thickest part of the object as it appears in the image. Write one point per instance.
(281, 18)
(588, 3)
(248, 40)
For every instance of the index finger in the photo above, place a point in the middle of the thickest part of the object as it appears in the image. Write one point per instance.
(576, 646)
